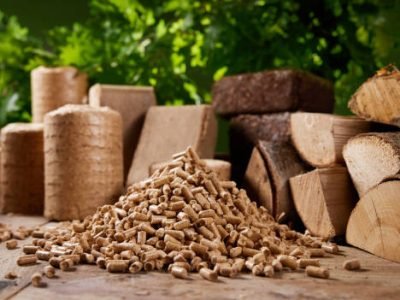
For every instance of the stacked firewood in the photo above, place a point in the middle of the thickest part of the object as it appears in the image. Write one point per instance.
(339, 174)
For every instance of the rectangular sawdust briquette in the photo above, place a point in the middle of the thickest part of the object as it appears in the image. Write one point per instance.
(132, 102)
(272, 91)
(168, 130)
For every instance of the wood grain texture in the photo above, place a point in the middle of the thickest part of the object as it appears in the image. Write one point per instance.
(257, 181)
(371, 158)
(377, 99)
(324, 199)
(246, 130)
(319, 138)
(378, 279)
(282, 163)
(8, 258)
(374, 224)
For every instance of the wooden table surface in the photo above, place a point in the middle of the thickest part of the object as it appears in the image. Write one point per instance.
(379, 279)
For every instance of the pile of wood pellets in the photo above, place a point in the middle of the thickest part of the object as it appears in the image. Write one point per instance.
(182, 219)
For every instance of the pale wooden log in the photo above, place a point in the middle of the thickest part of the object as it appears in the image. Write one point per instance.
(374, 224)
(371, 158)
(324, 199)
(132, 102)
(257, 181)
(319, 138)
(378, 98)
(270, 184)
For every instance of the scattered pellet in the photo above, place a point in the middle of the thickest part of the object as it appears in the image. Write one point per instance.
(352, 264)
(288, 261)
(11, 275)
(318, 272)
(30, 249)
(27, 260)
(305, 262)
(330, 248)
(208, 274)
(179, 272)
(49, 271)
(269, 271)
(66, 264)
(117, 266)
(11, 244)
(36, 280)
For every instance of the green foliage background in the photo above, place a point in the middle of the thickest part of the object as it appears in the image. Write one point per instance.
(181, 47)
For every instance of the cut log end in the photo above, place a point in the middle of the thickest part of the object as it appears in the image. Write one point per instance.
(319, 138)
(324, 199)
(377, 98)
(374, 224)
(371, 158)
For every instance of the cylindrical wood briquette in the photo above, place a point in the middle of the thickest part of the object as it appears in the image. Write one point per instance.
(22, 169)
(56, 87)
(83, 160)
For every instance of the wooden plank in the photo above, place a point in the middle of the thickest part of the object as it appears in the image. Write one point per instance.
(378, 279)
(8, 258)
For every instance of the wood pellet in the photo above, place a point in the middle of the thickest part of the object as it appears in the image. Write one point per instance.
(352, 264)
(181, 220)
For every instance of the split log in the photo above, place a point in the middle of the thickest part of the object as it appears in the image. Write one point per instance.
(281, 162)
(378, 98)
(246, 130)
(324, 199)
(319, 138)
(257, 182)
(371, 158)
(272, 91)
(374, 224)
(171, 129)
(132, 103)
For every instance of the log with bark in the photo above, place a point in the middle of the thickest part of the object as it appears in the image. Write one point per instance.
(268, 174)
(374, 224)
(371, 158)
(246, 130)
(378, 98)
(319, 138)
(324, 199)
